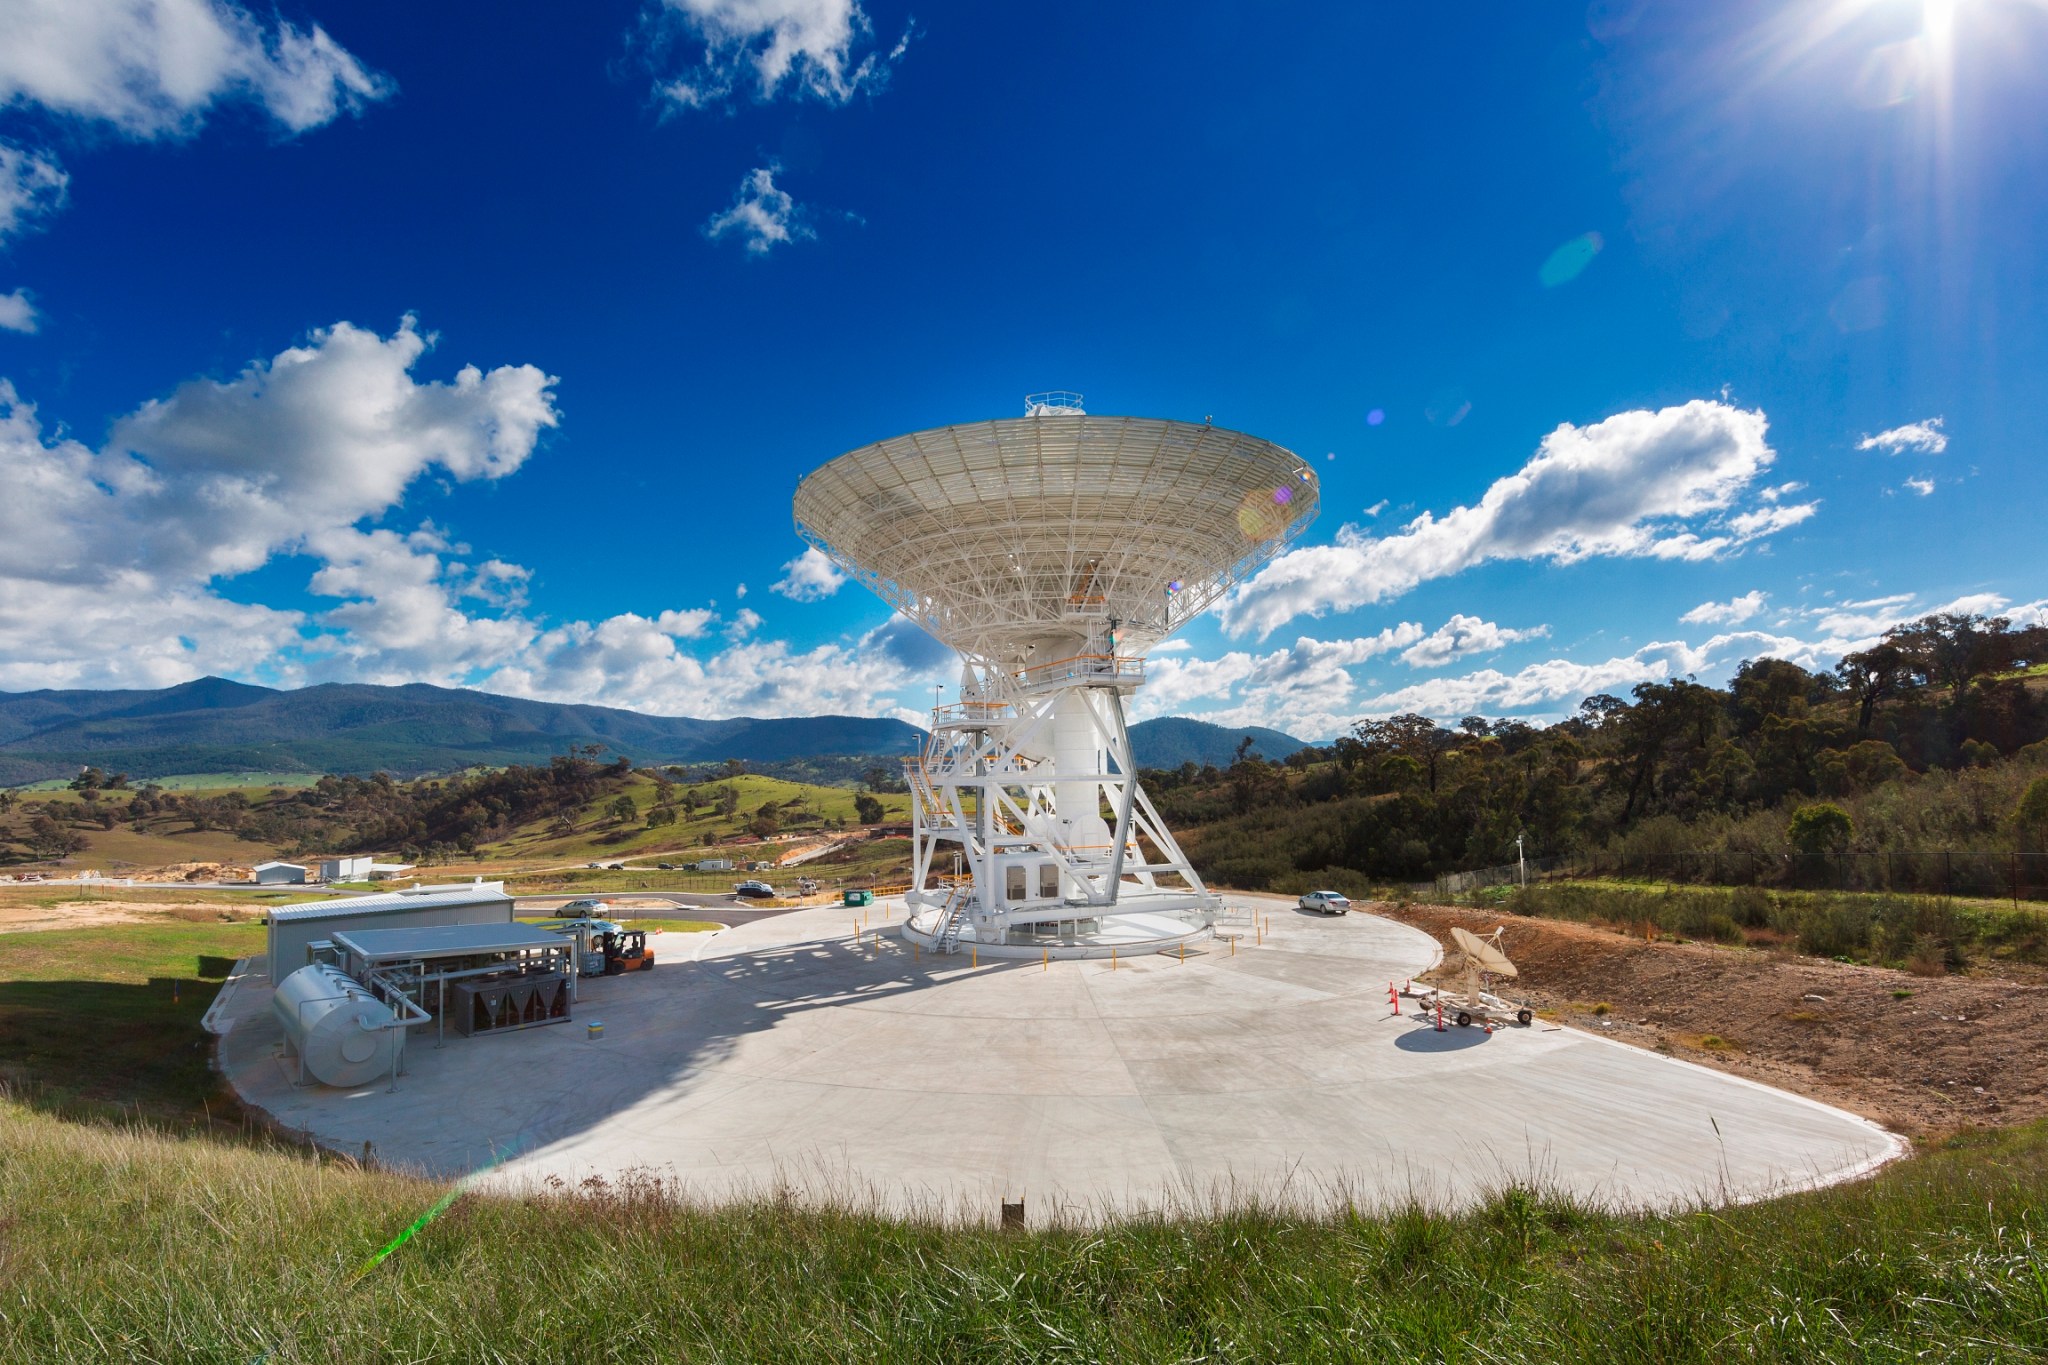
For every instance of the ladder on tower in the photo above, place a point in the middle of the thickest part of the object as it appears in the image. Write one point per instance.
(947, 936)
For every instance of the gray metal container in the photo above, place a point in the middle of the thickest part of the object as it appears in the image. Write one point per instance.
(345, 1036)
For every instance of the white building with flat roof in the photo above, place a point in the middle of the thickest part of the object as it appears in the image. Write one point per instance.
(349, 867)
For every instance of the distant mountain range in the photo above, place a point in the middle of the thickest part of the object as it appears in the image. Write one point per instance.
(1173, 740)
(214, 725)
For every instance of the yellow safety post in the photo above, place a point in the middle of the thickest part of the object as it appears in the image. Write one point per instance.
(1233, 945)
(1112, 959)
(1183, 952)
(1045, 959)
(974, 957)
(914, 956)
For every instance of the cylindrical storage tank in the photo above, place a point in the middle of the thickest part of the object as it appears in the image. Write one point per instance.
(343, 1032)
(1076, 754)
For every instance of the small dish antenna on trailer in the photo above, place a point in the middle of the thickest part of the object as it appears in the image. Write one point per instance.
(1485, 953)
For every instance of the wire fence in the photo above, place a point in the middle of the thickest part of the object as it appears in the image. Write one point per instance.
(1980, 874)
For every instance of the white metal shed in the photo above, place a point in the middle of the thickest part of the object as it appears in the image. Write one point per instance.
(350, 867)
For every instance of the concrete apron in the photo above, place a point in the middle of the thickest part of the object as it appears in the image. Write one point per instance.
(816, 1056)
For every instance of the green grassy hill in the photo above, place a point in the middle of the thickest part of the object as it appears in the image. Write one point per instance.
(802, 809)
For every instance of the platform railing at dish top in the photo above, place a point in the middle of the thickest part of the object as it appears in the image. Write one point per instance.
(1093, 668)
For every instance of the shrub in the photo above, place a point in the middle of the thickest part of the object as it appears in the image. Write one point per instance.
(1822, 827)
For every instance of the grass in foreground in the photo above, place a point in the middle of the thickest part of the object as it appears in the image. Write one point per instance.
(123, 1243)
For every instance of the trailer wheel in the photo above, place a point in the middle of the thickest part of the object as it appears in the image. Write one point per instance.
(1464, 1019)
(1523, 1017)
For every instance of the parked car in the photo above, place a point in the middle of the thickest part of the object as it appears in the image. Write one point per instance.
(666, 867)
(759, 891)
(1325, 902)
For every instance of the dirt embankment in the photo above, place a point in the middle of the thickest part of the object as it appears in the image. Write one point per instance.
(1921, 1055)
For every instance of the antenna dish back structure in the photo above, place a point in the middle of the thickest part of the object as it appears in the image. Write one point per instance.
(1051, 551)
(1484, 953)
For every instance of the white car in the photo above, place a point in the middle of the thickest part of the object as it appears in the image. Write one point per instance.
(1325, 902)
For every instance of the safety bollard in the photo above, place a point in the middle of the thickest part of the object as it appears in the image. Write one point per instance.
(1393, 997)
(1439, 1016)
(915, 955)
(1233, 945)
(1045, 959)
(1183, 952)
(974, 957)
(1112, 959)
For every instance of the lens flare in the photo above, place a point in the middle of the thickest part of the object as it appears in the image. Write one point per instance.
(1570, 260)
(1375, 417)
(1261, 515)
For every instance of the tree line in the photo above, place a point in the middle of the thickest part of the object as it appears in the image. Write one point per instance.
(1931, 737)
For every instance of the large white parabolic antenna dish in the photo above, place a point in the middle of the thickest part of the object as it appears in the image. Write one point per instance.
(1002, 536)
(1052, 551)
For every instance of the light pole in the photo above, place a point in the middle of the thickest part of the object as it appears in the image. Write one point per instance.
(1521, 862)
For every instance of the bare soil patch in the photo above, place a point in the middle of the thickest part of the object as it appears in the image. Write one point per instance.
(1921, 1055)
(28, 916)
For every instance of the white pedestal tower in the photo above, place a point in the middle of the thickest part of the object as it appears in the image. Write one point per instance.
(1052, 551)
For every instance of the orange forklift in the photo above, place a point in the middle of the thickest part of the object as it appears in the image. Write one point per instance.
(625, 950)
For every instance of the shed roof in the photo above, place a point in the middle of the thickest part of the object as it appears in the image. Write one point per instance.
(386, 902)
(446, 940)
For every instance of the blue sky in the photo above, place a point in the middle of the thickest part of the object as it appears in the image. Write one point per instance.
(485, 344)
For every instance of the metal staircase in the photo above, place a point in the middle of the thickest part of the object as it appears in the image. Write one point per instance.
(951, 918)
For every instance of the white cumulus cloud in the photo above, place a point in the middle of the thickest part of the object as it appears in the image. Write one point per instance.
(1658, 484)
(1925, 437)
(17, 314)
(1463, 635)
(807, 46)
(1924, 487)
(32, 186)
(152, 68)
(810, 577)
(219, 477)
(761, 215)
(1732, 612)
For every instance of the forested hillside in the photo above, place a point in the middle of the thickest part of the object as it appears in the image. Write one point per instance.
(1930, 739)
(213, 725)
(574, 806)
